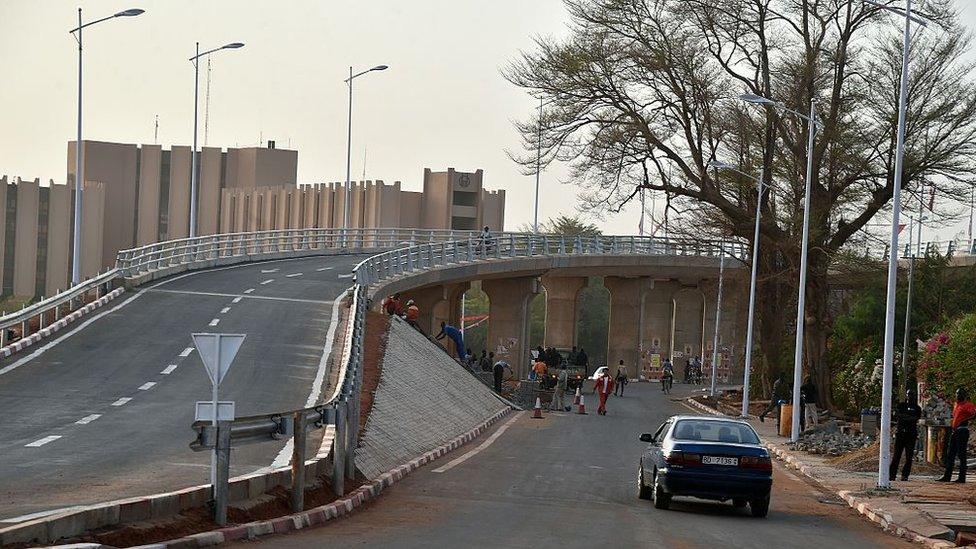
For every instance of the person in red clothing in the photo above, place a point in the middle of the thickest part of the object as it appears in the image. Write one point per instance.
(412, 315)
(392, 305)
(604, 387)
(962, 412)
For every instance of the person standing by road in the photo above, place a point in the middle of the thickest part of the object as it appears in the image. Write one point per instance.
(583, 360)
(667, 377)
(498, 371)
(621, 379)
(559, 395)
(906, 417)
(808, 394)
(539, 370)
(604, 387)
(962, 412)
(455, 335)
(779, 394)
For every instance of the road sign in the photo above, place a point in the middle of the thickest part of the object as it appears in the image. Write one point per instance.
(217, 352)
(204, 411)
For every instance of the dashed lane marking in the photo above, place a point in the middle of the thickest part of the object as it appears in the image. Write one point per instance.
(266, 271)
(237, 299)
(88, 419)
(345, 275)
(450, 465)
(224, 310)
(121, 401)
(268, 281)
(323, 269)
(186, 352)
(293, 275)
(42, 441)
(215, 322)
(148, 385)
(249, 290)
(168, 370)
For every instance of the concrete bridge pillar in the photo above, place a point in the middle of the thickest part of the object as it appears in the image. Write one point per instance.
(687, 320)
(731, 332)
(656, 334)
(626, 320)
(561, 292)
(508, 321)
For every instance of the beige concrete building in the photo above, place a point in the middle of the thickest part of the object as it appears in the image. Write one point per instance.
(136, 195)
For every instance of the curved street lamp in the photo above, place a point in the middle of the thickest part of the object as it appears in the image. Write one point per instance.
(346, 201)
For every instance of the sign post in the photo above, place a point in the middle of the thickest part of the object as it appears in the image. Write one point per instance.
(217, 351)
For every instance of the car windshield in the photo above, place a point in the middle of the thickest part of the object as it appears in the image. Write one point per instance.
(714, 431)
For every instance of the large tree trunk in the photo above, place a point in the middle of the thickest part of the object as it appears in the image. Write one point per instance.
(818, 327)
(772, 299)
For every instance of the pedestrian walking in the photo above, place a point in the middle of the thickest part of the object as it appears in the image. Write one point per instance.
(559, 394)
(667, 377)
(808, 394)
(962, 412)
(906, 417)
(455, 335)
(498, 370)
(621, 379)
(604, 388)
(777, 399)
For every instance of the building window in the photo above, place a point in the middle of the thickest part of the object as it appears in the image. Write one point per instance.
(463, 198)
(463, 223)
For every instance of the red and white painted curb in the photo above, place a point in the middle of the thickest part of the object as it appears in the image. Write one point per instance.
(875, 515)
(325, 513)
(47, 331)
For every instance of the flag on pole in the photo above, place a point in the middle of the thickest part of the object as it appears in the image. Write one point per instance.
(932, 198)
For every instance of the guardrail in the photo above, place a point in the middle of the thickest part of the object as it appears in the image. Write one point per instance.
(42, 309)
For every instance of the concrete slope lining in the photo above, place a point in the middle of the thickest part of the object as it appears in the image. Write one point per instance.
(424, 398)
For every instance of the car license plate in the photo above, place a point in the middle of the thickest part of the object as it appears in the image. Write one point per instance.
(719, 460)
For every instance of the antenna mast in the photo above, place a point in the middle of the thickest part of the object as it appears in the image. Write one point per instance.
(206, 108)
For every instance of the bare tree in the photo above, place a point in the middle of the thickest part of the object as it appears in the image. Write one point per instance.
(643, 93)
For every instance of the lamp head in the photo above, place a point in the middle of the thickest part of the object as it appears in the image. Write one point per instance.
(718, 164)
(757, 99)
(132, 12)
(380, 68)
(233, 46)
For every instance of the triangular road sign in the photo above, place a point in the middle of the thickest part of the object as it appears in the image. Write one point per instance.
(217, 351)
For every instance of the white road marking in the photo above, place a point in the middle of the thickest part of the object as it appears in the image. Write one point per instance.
(268, 298)
(293, 275)
(266, 271)
(168, 370)
(284, 456)
(149, 385)
(268, 281)
(249, 290)
(43, 441)
(223, 312)
(88, 419)
(186, 352)
(322, 269)
(41, 514)
(237, 299)
(122, 401)
(215, 322)
(345, 275)
(458, 461)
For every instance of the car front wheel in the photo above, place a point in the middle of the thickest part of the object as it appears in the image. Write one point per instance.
(759, 507)
(662, 499)
(643, 491)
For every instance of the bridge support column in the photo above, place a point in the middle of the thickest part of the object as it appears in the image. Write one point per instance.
(626, 321)
(508, 322)
(561, 315)
(656, 332)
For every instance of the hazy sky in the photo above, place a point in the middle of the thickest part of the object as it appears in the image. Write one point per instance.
(442, 103)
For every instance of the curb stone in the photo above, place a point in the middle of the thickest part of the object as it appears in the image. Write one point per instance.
(875, 515)
(321, 515)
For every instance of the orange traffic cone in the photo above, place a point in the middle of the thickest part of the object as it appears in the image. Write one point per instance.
(576, 400)
(537, 411)
(582, 407)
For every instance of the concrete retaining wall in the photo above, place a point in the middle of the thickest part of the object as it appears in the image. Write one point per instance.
(424, 399)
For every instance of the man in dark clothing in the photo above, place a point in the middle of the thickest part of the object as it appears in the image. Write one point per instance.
(962, 412)
(779, 394)
(688, 371)
(499, 370)
(583, 360)
(906, 418)
(573, 356)
(484, 362)
(808, 398)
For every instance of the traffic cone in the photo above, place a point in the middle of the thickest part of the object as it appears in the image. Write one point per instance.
(582, 407)
(537, 411)
(576, 400)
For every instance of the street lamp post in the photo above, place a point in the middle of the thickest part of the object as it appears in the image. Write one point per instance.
(346, 200)
(79, 148)
(752, 283)
(718, 315)
(801, 292)
(193, 155)
(908, 298)
(884, 453)
(538, 168)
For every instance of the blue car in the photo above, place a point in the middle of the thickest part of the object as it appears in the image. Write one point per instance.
(715, 458)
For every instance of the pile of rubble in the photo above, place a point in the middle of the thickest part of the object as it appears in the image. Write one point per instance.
(829, 439)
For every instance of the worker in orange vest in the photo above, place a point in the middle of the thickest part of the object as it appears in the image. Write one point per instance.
(604, 387)
(412, 314)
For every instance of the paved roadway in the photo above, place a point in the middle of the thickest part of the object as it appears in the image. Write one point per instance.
(569, 481)
(69, 435)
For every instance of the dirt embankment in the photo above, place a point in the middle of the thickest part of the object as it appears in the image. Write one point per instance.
(374, 347)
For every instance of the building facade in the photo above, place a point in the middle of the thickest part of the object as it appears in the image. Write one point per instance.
(137, 195)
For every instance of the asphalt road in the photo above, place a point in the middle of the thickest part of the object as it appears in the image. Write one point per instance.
(76, 385)
(569, 481)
